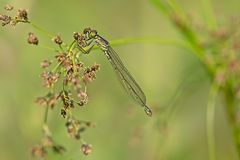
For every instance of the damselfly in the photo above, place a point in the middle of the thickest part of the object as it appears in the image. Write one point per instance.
(127, 81)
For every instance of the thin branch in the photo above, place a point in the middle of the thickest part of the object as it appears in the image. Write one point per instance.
(210, 120)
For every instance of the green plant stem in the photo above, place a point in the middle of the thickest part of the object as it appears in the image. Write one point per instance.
(41, 29)
(231, 114)
(70, 51)
(46, 115)
(210, 120)
(149, 40)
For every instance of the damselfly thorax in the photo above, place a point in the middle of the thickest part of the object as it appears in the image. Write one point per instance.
(101, 42)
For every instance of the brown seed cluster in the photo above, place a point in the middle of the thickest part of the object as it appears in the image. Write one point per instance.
(49, 100)
(47, 143)
(90, 73)
(49, 78)
(76, 127)
(58, 40)
(32, 39)
(86, 149)
(45, 63)
(8, 7)
(5, 19)
(22, 14)
(20, 17)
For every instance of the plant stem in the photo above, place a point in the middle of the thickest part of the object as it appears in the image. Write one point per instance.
(210, 120)
(231, 114)
(40, 29)
(70, 51)
(46, 115)
(151, 40)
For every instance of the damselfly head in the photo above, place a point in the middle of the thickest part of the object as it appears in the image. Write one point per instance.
(87, 30)
(90, 33)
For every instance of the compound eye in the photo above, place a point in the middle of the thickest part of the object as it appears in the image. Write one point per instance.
(93, 34)
(87, 30)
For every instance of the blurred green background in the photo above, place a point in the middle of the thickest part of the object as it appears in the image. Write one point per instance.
(174, 82)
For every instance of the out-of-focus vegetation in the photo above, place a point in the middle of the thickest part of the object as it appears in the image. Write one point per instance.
(182, 56)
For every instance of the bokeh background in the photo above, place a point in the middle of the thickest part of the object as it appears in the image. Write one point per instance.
(174, 82)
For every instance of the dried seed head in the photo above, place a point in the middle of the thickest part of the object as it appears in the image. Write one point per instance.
(58, 149)
(52, 99)
(64, 112)
(42, 101)
(83, 97)
(76, 36)
(32, 39)
(23, 14)
(47, 142)
(86, 149)
(45, 63)
(49, 78)
(76, 127)
(8, 7)
(39, 151)
(5, 19)
(61, 57)
(80, 38)
(58, 40)
(90, 124)
(48, 100)
(95, 67)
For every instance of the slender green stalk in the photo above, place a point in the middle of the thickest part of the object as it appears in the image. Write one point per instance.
(46, 115)
(152, 40)
(70, 51)
(210, 120)
(41, 29)
(231, 114)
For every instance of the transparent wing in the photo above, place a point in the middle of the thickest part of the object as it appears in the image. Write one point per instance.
(127, 81)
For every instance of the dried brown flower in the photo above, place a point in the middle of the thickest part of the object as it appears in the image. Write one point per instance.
(58, 40)
(49, 100)
(58, 149)
(32, 39)
(23, 14)
(86, 149)
(8, 7)
(49, 78)
(39, 151)
(76, 127)
(45, 63)
(5, 19)
(42, 101)
(90, 73)
(83, 97)
(47, 142)
(61, 57)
